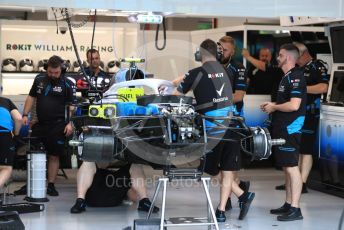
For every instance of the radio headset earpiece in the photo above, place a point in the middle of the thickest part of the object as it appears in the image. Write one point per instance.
(219, 55)
(198, 55)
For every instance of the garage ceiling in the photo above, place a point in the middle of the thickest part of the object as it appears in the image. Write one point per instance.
(199, 8)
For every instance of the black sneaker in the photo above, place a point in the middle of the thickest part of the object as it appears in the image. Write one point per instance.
(292, 214)
(51, 190)
(280, 187)
(228, 204)
(284, 209)
(145, 204)
(245, 205)
(220, 216)
(21, 191)
(79, 206)
(244, 185)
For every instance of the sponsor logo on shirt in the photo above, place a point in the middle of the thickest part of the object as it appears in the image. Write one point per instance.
(40, 88)
(217, 100)
(281, 88)
(295, 82)
(219, 92)
(57, 89)
(241, 74)
(215, 75)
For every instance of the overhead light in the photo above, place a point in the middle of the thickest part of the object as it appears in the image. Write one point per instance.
(146, 18)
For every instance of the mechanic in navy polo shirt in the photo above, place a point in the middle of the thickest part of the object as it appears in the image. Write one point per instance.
(288, 115)
(53, 93)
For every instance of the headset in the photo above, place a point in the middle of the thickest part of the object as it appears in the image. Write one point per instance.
(63, 64)
(198, 55)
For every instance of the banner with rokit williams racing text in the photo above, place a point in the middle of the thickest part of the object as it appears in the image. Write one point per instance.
(37, 40)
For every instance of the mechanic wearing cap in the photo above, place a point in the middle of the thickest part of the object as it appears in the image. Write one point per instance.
(288, 114)
(97, 76)
(53, 93)
(317, 84)
(213, 93)
(10, 121)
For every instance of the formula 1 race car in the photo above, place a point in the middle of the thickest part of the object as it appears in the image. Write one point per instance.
(133, 121)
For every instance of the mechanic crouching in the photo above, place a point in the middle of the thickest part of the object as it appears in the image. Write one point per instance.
(135, 190)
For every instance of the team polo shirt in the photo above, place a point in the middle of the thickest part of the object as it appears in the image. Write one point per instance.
(238, 78)
(315, 72)
(101, 80)
(211, 87)
(6, 122)
(52, 97)
(292, 85)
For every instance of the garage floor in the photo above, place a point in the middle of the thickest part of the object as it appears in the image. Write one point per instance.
(320, 211)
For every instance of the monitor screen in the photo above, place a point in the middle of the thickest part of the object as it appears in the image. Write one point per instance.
(337, 91)
(337, 38)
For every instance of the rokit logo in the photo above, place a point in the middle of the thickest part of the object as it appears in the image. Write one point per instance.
(55, 47)
(24, 47)
(215, 75)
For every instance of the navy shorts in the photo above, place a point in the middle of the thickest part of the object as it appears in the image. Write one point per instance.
(226, 156)
(287, 155)
(7, 149)
(52, 136)
(309, 135)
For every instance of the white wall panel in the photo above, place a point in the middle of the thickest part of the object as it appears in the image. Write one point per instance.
(171, 62)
